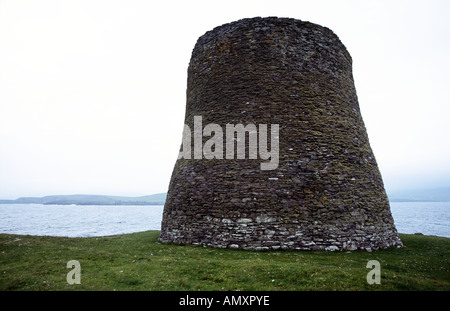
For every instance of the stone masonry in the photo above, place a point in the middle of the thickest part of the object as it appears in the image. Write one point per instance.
(327, 192)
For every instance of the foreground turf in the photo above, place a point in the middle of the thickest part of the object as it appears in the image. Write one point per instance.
(138, 262)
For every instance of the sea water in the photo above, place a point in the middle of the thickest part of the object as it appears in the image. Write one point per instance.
(429, 218)
(78, 220)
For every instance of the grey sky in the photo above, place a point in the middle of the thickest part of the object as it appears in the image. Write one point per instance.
(92, 93)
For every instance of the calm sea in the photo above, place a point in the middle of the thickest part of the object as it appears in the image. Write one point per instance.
(78, 221)
(429, 218)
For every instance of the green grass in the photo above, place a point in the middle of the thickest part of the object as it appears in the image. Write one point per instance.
(138, 262)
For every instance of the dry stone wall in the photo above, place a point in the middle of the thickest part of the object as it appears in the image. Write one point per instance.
(327, 192)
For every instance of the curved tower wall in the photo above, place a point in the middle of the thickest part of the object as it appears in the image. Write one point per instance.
(324, 191)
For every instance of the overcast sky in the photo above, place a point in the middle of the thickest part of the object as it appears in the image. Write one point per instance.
(92, 93)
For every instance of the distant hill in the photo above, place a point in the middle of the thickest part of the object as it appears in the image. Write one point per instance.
(88, 199)
(423, 195)
(417, 195)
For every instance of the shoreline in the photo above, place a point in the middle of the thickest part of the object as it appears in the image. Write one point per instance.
(138, 232)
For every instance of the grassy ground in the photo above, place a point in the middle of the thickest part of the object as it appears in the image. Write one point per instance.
(138, 262)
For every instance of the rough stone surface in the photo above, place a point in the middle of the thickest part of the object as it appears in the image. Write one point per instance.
(327, 192)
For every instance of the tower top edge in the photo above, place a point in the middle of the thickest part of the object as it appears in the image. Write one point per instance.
(259, 23)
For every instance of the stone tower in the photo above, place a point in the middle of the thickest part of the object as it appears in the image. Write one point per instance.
(325, 190)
